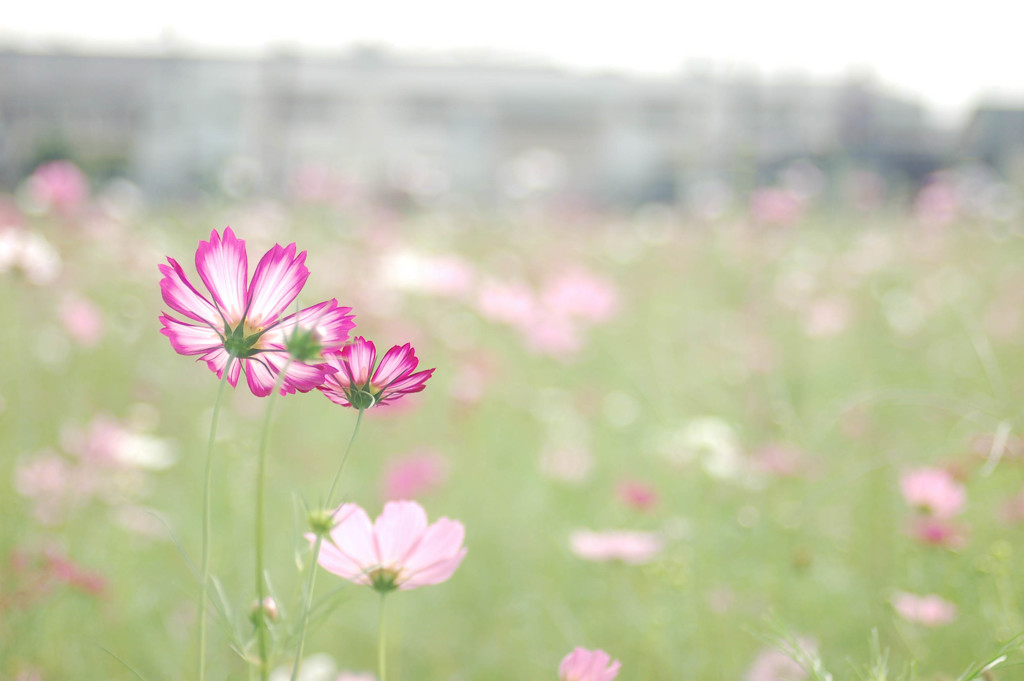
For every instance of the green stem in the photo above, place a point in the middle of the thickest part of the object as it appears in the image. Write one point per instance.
(311, 577)
(261, 622)
(344, 458)
(381, 644)
(204, 560)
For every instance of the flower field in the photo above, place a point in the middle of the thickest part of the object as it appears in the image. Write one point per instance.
(699, 449)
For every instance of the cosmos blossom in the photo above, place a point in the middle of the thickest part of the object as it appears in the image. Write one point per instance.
(931, 610)
(242, 320)
(355, 383)
(397, 551)
(933, 490)
(588, 665)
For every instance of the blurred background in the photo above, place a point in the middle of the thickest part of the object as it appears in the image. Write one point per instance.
(725, 304)
(564, 105)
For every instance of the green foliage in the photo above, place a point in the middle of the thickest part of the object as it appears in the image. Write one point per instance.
(853, 354)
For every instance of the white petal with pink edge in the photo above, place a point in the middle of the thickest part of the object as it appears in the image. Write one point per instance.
(223, 266)
(278, 278)
(182, 297)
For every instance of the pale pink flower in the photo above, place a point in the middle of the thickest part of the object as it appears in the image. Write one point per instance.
(552, 334)
(629, 546)
(398, 551)
(358, 381)
(82, 319)
(638, 495)
(933, 490)
(353, 676)
(414, 475)
(588, 665)
(772, 664)
(242, 327)
(931, 610)
(508, 302)
(774, 206)
(581, 295)
(58, 185)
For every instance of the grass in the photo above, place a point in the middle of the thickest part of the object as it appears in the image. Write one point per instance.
(867, 349)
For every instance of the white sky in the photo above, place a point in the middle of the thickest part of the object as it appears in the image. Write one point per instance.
(948, 55)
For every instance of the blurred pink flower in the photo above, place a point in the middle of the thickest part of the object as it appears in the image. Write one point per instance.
(629, 546)
(638, 495)
(82, 319)
(588, 665)
(781, 460)
(552, 334)
(243, 322)
(931, 610)
(774, 206)
(58, 185)
(827, 317)
(938, 532)
(356, 383)
(507, 302)
(353, 676)
(414, 475)
(398, 551)
(579, 294)
(933, 490)
(772, 664)
(938, 202)
(67, 571)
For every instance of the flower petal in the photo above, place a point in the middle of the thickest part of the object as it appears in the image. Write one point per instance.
(330, 322)
(437, 573)
(223, 266)
(437, 555)
(182, 297)
(397, 362)
(278, 278)
(359, 357)
(410, 384)
(350, 553)
(398, 531)
(190, 339)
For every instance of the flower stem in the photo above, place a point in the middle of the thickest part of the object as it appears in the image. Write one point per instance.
(381, 644)
(311, 577)
(344, 458)
(261, 622)
(204, 560)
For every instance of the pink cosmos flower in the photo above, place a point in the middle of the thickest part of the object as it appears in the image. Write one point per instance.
(632, 547)
(398, 551)
(59, 185)
(588, 665)
(931, 610)
(354, 382)
(933, 490)
(82, 319)
(242, 327)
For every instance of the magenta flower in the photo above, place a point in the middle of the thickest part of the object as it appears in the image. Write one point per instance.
(588, 665)
(398, 551)
(241, 328)
(355, 383)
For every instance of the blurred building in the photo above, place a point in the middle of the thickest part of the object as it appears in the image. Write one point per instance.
(409, 130)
